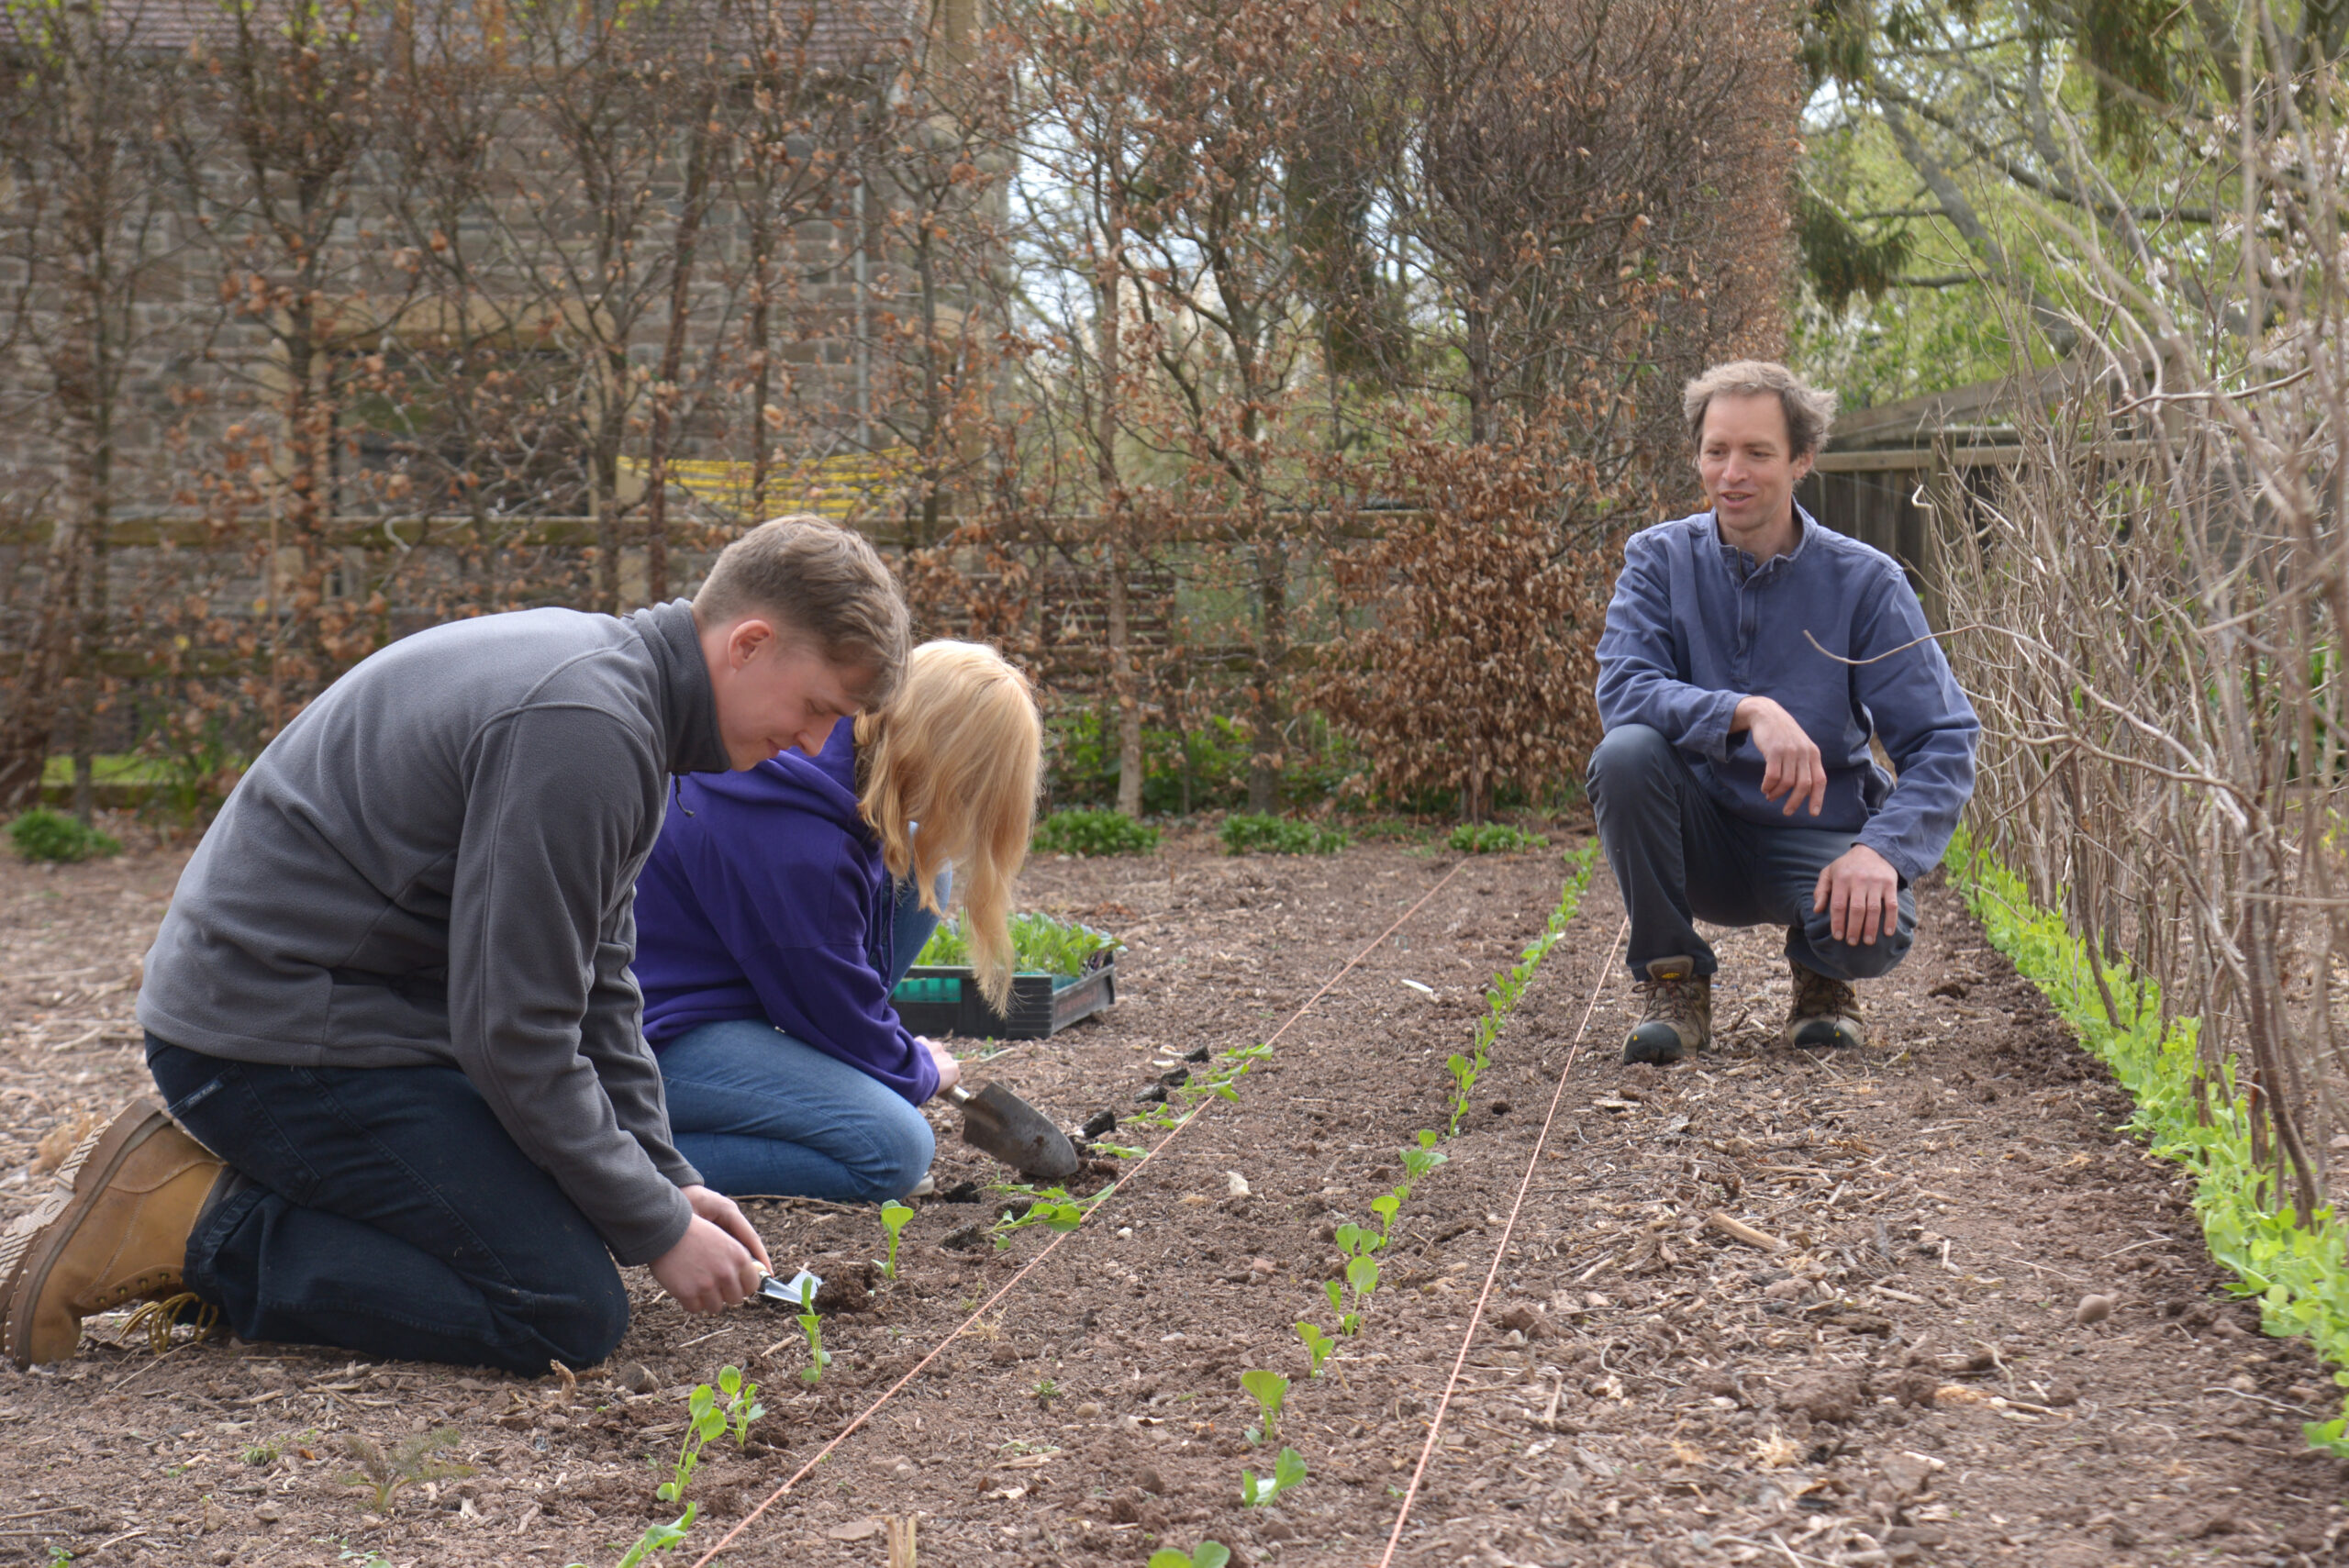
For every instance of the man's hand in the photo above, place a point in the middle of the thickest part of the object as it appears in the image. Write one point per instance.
(717, 1261)
(949, 1070)
(1791, 763)
(1862, 893)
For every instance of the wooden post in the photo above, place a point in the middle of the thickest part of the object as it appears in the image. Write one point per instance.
(901, 1541)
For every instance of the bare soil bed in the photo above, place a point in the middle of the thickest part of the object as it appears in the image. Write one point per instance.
(1906, 1380)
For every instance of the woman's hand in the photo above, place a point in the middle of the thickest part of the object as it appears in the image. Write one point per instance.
(949, 1071)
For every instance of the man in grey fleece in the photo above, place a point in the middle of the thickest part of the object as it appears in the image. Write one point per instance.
(392, 994)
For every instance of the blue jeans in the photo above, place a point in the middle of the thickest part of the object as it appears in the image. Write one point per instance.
(391, 1215)
(761, 1114)
(1679, 858)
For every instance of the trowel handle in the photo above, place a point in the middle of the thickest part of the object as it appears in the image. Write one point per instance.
(961, 1095)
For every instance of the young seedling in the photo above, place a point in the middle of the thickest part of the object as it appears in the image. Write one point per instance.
(708, 1412)
(1418, 1161)
(1287, 1471)
(812, 1326)
(1387, 1207)
(1317, 1345)
(1362, 1278)
(742, 1405)
(1270, 1389)
(893, 1219)
(1348, 1322)
(406, 1463)
(1210, 1555)
(704, 1420)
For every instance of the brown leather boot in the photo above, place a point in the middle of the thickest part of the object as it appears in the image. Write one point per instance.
(1826, 1012)
(120, 1233)
(1679, 1020)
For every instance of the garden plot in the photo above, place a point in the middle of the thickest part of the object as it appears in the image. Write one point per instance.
(1907, 1377)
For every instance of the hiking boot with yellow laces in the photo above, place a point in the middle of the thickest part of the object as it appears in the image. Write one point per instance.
(1679, 1017)
(1826, 1012)
(119, 1233)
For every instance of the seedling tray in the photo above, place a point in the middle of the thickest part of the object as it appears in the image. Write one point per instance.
(935, 999)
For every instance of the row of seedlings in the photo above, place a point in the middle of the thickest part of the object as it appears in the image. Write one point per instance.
(1350, 1293)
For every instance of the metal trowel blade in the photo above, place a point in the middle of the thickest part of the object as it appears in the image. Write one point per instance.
(996, 1121)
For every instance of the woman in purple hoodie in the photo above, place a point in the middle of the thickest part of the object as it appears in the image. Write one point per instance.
(782, 905)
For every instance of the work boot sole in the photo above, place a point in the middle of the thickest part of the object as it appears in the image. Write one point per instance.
(34, 1242)
(1658, 1043)
(1822, 1034)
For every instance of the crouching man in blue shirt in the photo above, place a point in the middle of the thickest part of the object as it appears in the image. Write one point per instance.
(1748, 657)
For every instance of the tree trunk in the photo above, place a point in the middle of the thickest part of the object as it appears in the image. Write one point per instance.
(1272, 657)
(1121, 680)
(665, 391)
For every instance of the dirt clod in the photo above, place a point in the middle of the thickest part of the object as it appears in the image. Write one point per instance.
(2093, 1309)
(1833, 1395)
(1527, 1320)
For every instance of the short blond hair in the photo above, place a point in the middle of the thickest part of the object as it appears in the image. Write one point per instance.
(1810, 413)
(819, 581)
(959, 749)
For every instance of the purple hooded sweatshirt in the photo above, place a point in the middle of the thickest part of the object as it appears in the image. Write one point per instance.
(765, 898)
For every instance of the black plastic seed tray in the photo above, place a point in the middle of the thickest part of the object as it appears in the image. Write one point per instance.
(936, 999)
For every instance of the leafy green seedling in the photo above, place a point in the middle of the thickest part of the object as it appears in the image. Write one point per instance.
(1418, 1162)
(704, 1420)
(1362, 1278)
(406, 1464)
(656, 1537)
(1287, 1471)
(1210, 1555)
(893, 1219)
(1387, 1207)
(1336, 1292)
(812, 1326)
(742, 1405)
(1270, 1389)
(1317, 1345)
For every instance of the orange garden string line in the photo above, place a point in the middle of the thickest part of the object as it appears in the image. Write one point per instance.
(1013, 1283)
(1435, 1426)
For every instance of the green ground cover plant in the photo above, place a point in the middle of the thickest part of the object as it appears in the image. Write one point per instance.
(1088, 830)
(1257, 832)
(41, 834)
(2291, 1266)
(1040, 945)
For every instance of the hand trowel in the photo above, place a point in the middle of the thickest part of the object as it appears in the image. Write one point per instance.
(996, 1121)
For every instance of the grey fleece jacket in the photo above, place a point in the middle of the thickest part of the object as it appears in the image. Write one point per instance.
(436, 864)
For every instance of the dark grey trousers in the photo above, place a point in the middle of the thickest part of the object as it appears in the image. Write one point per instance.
(1679, 858)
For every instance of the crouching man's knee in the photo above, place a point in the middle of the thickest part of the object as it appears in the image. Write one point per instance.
(1628, 758)
(1858, 960)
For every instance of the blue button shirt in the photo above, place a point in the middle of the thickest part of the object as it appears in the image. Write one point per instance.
(1695, 625)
